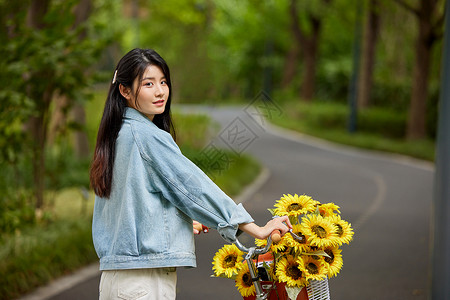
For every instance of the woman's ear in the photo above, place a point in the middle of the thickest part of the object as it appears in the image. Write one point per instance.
(125, 91)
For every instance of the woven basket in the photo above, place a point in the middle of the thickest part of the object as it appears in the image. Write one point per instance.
(318, 290)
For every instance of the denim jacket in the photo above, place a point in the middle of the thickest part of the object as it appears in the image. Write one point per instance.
(156, 192)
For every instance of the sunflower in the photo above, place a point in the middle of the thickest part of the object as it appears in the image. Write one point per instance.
(334, 261)
(293, 206)
(343, 229)
(298, 246)
(227, 261)
(291, 271)
(244, 282)
(315, 269)
(328, 209)
(320, 231)
(281, 246)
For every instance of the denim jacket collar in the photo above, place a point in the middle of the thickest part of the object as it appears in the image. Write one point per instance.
(131, 113)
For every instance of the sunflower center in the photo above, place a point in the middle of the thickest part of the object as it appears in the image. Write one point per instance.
(294, 207)
(312, 268)
(229, 261)
(247, 279)
(319, 231)
(331, 258)
(339, 230)
(293, 272)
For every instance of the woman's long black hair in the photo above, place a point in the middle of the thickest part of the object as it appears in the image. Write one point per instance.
(130, 67)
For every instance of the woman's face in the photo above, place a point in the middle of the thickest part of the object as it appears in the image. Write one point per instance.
(153, 92)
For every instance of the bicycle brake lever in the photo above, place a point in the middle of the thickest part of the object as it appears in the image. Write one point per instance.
(296, 237)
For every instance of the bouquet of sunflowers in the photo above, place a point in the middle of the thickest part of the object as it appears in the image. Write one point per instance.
(294, 263)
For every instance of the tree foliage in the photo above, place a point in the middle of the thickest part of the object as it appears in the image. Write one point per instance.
(217, 49)
(39, 61)
(221, 49)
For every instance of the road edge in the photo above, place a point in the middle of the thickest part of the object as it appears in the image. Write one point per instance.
(63, 283)
(349, 150)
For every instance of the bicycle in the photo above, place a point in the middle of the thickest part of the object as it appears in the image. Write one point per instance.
(269, 290)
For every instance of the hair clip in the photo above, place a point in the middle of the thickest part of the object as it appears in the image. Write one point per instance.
(114, 78)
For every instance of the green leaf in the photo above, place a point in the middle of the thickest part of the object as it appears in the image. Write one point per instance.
(318, 252)
(294, 220)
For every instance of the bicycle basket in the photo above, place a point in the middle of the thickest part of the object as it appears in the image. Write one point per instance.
(318, 290)
(277, 291)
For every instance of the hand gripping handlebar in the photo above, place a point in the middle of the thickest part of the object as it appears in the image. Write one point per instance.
(253, 252)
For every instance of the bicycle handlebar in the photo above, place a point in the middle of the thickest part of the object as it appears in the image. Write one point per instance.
(275, 236)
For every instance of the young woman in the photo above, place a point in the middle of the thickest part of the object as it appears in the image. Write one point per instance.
(147, 192)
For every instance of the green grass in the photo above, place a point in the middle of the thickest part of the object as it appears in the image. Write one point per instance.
(242, 171)
(230, 171)
(193, 131)
(34, 255)
(377, 129)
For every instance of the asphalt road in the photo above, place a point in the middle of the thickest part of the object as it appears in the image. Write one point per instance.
(386, 198)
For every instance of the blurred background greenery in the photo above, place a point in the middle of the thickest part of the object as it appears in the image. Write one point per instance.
(317, 60)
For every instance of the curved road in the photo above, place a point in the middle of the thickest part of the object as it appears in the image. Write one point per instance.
(386, 198)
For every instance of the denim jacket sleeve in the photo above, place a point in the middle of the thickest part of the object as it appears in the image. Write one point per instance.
(185, 185)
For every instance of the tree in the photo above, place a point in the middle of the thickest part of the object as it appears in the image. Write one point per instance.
(307, 39)
(430, 18)
(178, 32)
(39, 60)
(42, 95)
(371, 32)
(82, 13)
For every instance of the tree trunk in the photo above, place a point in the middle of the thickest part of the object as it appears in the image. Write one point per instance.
(82, 12)
(310, 54)
(309, 45)
(368, 55)
(36, 13)
(37, 131)
(290, 65)
(416, 127)
(58, 118)
(38, 124)
(81, 138)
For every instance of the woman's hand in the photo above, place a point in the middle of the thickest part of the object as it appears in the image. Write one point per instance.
(199, 228)
(282, 224)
